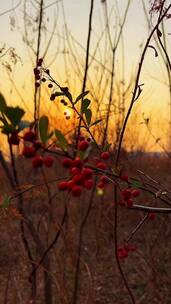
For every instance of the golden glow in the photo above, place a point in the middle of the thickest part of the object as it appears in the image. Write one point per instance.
(68, 112)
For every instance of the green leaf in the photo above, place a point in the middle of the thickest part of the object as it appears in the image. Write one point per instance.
(2, 103)
(6, 202)
(136, 184)
(7, 129)
(96, 122)
(84, 105)
(62, 142)
(43, 128)
(68, 94)
(81, 96)
(88, 115)
(14, 114)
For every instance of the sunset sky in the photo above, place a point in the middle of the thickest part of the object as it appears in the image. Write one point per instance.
(155, 97)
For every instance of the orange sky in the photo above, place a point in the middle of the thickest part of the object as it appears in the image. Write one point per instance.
(155, 97)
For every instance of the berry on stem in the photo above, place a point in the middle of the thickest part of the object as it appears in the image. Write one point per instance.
(129, 202)
(70, 184)
(105, 155)
(87, 173)
(78, 163)
(122, 252)
(76, 191)
(88, 184)
(75, 171)
(83, 145)
(37, 161)
(62, 186)
(101, 165)
(67, 162)
(126, 193)
(125, 178)
(135, 193)
(29, 136)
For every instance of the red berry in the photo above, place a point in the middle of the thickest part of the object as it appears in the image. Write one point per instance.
(126, 193)
(37, 161)
(14, 139)
(101, 165)
(29, 136)
(124, 178)
(135, 193)
(67, 162)
(101, 185)
(78, 163)
(70, 185)
(104, 179)
(75, 171)
(77, 179)
(105, 155)
(48, 161)
(151, 216)
(122, 252)
(62, 186)
(29, 151)
(87, 173)
(129, 202)
(83, 145)
(76, 191)
(88, 184)
(122, 203)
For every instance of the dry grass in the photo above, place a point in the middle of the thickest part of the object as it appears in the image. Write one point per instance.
(148, 269)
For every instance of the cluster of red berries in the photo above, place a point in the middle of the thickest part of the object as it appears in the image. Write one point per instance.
(80, 177)
(123, 251)
(127, 196)
(30, 151)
